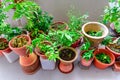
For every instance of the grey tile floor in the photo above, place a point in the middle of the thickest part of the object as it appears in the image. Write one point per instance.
(13, 72)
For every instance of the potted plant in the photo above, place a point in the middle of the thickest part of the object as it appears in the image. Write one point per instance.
(112, 45)
(111, 15)
(75, 23)
(46, 50)
(67, 56)
(86, 55)
(95, 32)
(103, 58)
(19, 44)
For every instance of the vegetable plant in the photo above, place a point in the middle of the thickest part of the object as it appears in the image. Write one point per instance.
(103, 58)
(112, 14)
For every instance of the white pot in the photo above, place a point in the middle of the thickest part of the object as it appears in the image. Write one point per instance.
(11, 57)
(47, 64)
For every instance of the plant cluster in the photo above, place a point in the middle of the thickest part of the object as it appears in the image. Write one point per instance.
(3, 45)
(94, 33)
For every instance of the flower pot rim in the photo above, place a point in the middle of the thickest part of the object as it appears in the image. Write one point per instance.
(70, 61)
(112, 50)
(98, 23)
(60, 22)
(112, 60)
(28, 42)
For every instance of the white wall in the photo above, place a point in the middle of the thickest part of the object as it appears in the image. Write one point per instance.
(59, 8)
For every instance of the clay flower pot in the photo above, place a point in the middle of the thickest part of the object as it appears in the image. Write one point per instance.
(116, 66)
(95, 26)
(101, 65)
(21, 51)
(77, 43)
(116, 54)
(84, 62)
(66, 66)
(30, 63)
(55, 25)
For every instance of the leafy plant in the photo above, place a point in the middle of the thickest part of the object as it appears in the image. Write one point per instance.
(76, 20)
(44, 44)
(107, 40)
(103, 58)
(19, 42)
(88, 54)
(112, 14)
(94, 33)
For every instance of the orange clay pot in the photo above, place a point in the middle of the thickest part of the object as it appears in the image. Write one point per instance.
(30, 64)
(67, 66)
(22, 50)
(101, 65)
(7, 50)
(116, 66)
(84, 62)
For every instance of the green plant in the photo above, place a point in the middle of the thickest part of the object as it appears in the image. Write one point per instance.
(3, 45)
(88, 54)
(107, 40)
(112, 14)
(94, 33)
(76, 20)
(44, 44)
(19, 42)
(103, 58)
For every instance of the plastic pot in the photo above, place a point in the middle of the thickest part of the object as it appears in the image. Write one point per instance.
(101, 65)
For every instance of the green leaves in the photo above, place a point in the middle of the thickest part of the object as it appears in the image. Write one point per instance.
(88, 55)
(85, 46)
(95, 33)
(10, 6)
(107, 40)
(103, 58)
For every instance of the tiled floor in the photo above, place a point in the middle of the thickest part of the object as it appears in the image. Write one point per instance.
(14, 72)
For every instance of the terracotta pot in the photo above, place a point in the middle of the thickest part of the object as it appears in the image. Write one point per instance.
(7, 50)
(101, 65)
(22, 50)
(30, 64)
(84, 62)
(116, 66)
(94, 26)
(77, 43)
(116, 54)
(59, 23)
(67, 66)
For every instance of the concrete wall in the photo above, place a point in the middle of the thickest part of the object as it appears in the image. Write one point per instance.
(59, 8)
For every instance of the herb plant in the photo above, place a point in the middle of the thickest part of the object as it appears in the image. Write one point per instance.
(3, 45)
(103, 58)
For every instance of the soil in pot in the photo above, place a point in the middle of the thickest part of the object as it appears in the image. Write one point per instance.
(67, 54)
